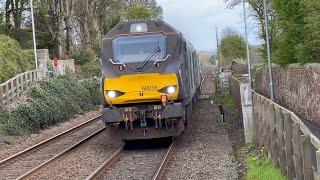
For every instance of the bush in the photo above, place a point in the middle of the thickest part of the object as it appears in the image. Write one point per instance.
(91, 69)
(81, 56)
(52, 102)
(13, 60)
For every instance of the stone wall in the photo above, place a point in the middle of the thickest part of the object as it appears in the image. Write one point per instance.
(239, 67)
(296, 87)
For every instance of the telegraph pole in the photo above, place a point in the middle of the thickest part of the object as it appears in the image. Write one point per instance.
(246, 32)
(268, 49)
(217, 37)
(34, 36)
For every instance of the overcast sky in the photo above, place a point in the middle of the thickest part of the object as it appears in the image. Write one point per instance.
(197, 19)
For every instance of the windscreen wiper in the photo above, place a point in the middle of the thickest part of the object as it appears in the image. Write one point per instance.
(153, 53)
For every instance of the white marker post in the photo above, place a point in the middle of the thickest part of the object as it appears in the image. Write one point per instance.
(34, 36)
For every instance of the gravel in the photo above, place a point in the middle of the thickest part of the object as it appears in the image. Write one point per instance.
(140, 164)
(34, 158)
(81, 162)
(204, 150)
(10, 145)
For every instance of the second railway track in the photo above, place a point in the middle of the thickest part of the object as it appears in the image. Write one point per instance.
(24, 162)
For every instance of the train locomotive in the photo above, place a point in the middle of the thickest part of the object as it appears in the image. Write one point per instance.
(151, 76)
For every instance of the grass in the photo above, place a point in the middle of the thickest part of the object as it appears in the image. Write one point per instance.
(225, 99)
(259, 165)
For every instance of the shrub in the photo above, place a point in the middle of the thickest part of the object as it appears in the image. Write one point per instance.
(81, 56)
(52, 102)
(13, 60)
(91, 69)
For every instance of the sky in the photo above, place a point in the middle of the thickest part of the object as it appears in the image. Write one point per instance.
(196, 19)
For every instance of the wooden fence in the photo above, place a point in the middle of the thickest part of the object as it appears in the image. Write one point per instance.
(234, 91)
(289, 141)
(11, 90)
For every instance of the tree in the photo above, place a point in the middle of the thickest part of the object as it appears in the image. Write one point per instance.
(152, 6)
(294, 28)
(233, 47)
(136, 12)
(299, 38)
(65, 26)
(256, 11)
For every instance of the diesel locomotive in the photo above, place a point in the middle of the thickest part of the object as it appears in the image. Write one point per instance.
(151, 76)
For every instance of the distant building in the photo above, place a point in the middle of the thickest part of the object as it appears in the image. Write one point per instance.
(256, 54)
(205, 58)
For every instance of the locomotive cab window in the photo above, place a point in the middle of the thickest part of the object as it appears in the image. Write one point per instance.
(129, 49)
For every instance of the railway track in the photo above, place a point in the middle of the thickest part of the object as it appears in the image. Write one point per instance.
(146, 160)
(27, 162)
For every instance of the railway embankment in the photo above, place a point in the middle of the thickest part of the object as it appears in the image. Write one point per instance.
(50, 107)
(51, 102)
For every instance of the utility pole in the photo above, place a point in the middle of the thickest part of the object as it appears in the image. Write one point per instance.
(268, 49)
(217, 37)
(34, 36)
(246, 33)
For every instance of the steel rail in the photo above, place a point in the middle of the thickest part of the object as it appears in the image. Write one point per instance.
(38, 168)
(157, 174)
(107, 163)
(2, 162)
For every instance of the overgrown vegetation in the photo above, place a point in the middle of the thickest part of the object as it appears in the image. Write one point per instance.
(52, 102)
(88, 65)
(13, 60)
(259, 165)
(224, 99)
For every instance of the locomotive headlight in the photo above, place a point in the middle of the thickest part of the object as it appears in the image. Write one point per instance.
(111, 94)
(171, 89)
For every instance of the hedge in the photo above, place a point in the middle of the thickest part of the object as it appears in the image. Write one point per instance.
(52, 102)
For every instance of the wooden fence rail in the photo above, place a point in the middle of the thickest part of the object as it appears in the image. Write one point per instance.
(11, 90)
(289, 141)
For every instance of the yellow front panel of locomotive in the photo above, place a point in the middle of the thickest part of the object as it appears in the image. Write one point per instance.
(138, 88)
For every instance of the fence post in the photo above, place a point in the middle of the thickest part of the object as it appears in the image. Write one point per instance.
(297, 151)
(288, 144)
(264, 124)
(280, 135)
(255, 117)
(247, 111)
(273, 134)
(306, 151)
(260, 120)
(318, 163)
(1, 96)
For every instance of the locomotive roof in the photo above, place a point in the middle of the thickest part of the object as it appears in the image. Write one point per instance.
(153, 26)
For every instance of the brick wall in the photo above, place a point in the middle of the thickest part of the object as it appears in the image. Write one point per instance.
(296, 87)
